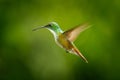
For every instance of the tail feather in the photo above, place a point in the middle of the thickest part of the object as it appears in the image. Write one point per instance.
(80, 54)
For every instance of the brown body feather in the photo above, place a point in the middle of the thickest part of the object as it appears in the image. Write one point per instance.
(69, 46)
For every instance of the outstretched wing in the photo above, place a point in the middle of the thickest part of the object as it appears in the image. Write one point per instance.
(74, 32)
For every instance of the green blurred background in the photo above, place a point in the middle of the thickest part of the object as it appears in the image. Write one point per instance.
(27, 55)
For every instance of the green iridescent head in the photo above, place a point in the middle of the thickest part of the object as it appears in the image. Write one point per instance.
(53, 27)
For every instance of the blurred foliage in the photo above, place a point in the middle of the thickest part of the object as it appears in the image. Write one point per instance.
(27, 55)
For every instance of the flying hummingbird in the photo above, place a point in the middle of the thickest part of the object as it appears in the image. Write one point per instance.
(65, 39)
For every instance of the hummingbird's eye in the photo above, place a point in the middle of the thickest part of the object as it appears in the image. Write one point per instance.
(49, 25)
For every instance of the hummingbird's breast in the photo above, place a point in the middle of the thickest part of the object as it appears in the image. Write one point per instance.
(63, 42)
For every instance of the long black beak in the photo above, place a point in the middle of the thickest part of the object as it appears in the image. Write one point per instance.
(46, 26)
(38, 28)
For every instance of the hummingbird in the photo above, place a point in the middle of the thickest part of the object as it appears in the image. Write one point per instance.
(65, 39)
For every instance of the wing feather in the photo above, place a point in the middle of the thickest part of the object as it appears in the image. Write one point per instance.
(73, 33)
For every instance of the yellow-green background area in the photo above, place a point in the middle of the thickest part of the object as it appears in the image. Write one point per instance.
(28, 55)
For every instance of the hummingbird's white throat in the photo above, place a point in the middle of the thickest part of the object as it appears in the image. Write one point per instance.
(53, 32)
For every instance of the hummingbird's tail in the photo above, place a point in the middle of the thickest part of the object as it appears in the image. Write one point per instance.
(80, 54)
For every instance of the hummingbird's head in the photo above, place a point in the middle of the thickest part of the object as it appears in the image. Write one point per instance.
(52, 26)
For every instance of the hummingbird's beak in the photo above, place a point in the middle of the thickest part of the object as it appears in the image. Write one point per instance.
(46, 26)
(38, 28)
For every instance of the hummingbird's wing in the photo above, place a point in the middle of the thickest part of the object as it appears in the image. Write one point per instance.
(74, 32)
